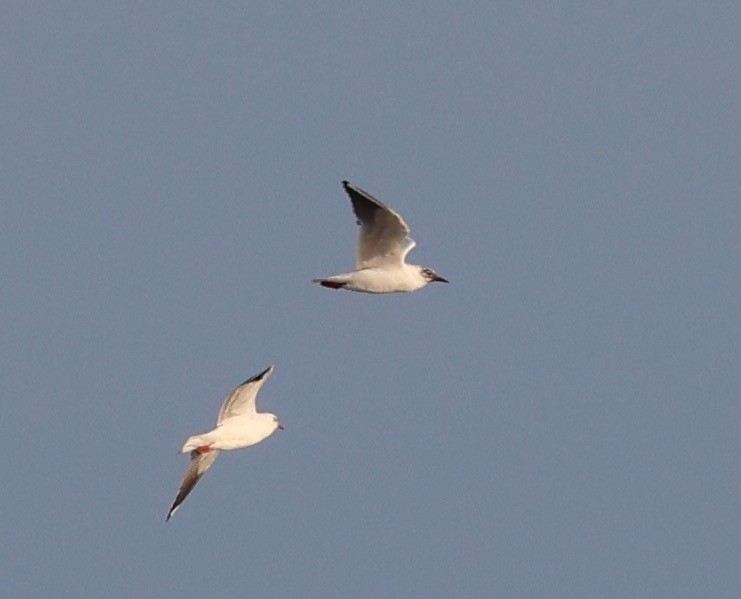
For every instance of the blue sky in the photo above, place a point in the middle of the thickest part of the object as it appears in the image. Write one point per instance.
(562, 420)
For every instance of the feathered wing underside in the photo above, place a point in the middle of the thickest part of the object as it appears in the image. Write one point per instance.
(383, 233)
(199, 463)
(243, 399)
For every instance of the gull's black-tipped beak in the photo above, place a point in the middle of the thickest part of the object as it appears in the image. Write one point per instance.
(280, 426)
(439, 279)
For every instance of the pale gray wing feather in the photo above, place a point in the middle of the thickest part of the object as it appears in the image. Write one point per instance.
(199, 463)
(243, 399)
(383, 232)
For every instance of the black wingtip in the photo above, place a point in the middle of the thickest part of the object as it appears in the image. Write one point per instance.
(258, 377)
(176, 504)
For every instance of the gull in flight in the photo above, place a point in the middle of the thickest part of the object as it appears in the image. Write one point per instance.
(383, 244)
(239, 425)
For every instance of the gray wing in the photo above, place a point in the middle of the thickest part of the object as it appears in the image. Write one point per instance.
(199, 463)
(242, 400)
(383, 233)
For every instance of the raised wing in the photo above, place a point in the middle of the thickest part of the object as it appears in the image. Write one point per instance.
(199, 463)
(383, 233)
(242, 400)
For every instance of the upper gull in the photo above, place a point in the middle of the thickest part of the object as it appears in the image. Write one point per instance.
(383, 243)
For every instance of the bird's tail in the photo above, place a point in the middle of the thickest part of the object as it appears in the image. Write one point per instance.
(194, 442)
(331, 282)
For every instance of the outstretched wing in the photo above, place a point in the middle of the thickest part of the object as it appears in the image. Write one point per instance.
(242, 400)
(383, 233)
(199, 463)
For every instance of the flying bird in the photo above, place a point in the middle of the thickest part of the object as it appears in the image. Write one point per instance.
(239, 425)
(383, 243)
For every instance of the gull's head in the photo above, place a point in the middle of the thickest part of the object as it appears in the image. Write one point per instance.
(431, 276)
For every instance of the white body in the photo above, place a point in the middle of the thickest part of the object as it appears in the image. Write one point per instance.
(400, 278)
(235, 433)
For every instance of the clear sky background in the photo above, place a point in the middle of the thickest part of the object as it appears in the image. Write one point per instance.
(562, 420)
